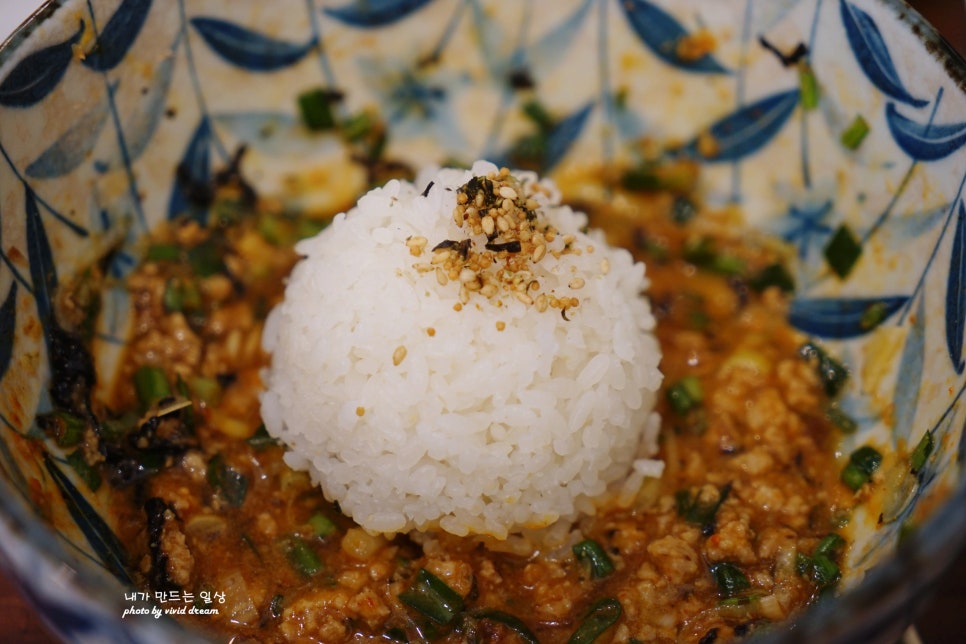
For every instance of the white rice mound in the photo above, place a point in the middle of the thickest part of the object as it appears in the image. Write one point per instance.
(499, 418)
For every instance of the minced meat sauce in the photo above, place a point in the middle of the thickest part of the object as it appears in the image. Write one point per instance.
(742, 530)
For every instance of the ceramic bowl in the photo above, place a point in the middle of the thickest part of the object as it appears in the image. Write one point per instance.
(838, 123)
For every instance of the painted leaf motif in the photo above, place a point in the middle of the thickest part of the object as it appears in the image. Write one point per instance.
(842, 318)
(563, 135)
(870, 50)
(273, 133)
(141, 123)
(956, 293)
(745, 131)
(551, 49)
(43, 274)
(104, 542)
(249, 49)
(193, 173)
(37, 75)
(118, 35)
(662, 34)
(925, 142)
(8, 327)
(909, 378)
(374, 13)
(73, 146)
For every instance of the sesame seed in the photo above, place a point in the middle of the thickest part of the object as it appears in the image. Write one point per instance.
(467, 275)
(541, 303)
(538, 252)
(500, 325)
(507, 192)
(398, 355)
(360, 411)
(576, 283)
(523, 297)
(488, 225)
(431, 332)
(502, 223)
(604, 266)
(441, 278)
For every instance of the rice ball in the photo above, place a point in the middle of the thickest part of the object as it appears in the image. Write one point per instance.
(459, 354)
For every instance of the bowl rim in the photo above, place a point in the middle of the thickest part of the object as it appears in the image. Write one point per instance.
(913, 569)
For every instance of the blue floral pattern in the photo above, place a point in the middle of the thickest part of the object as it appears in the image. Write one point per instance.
(109, 119)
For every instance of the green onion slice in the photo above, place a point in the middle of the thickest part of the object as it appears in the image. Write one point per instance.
(729, 578)
(842, 251)
(922, 451)
(591, 553)
(685, 394)
(601, 616)
(429, 595)
(302, 557)
(863, 462)
(231, 483)
(855, 133)
(151, 385)
(510, 621)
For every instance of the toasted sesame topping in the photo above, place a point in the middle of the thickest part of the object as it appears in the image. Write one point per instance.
(360, 411)
(398, 355)
(502, 208)
(431, 332)
(500, 325)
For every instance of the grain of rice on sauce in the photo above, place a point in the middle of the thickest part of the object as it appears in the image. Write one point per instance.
(459, 354)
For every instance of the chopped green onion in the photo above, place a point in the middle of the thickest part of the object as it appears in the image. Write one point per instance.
(683, 210)
(261, 438)
(307, 227)
(85, 471)
(275, 608)
(642, 178)
(832, 373)
(699, 251)
(825, 572)
(855, 133)
(510, 621)
(302, 557)
(231, 483)
(728, 265)
(429, 595)
(315, 106)
(589, 552)
(808, 85)
(729, 578)
(921, 453)
(206, 389)
(601, 616)
(163, 253)
(773, 275)
(840, 419)
(172, 299)
(358, 126)
(842, 251)
(206, 258)
(187, 413)
(830, 545)
(862, 464)
(67, 428)
(323, 525)
(699, 512)
(874, 315)
(538, 114)
(685, 394)
(151, 385)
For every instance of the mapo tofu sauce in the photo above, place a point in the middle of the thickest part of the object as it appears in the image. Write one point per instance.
(743, 529)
